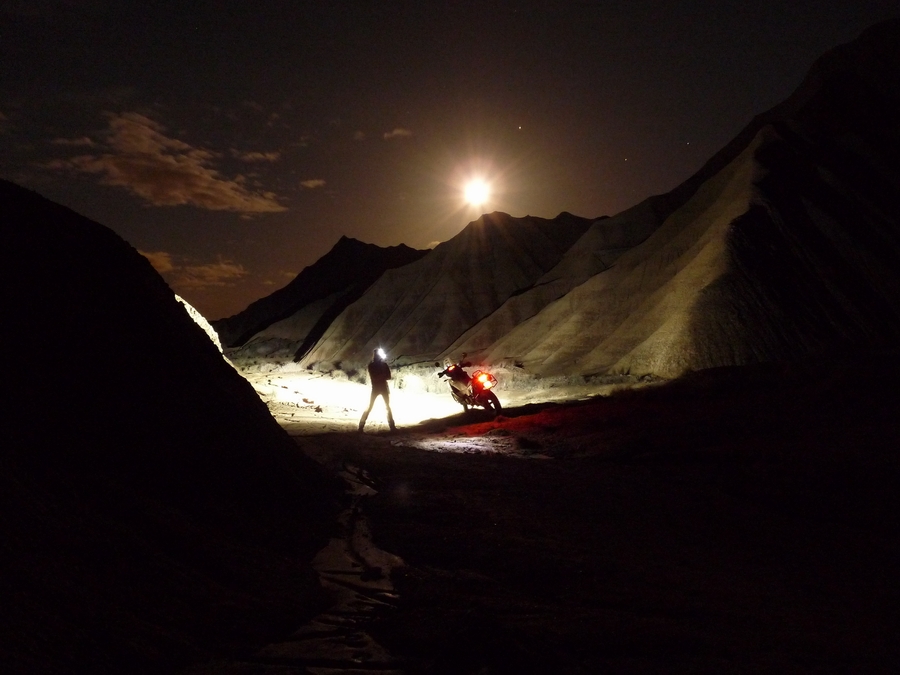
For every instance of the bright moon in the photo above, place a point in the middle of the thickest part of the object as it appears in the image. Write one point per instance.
(476, 192)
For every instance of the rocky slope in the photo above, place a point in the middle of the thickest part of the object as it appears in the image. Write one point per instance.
(319, 292)
(152, 511)
(787, 244)
(416, 310)
(595, 251)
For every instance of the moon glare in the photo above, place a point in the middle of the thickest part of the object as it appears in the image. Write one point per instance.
(476, 192)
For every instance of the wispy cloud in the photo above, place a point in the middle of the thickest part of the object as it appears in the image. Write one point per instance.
(282, 278)
(195, 277)
(257, 156)
(83, 142)
(166, 171)
(161, 261)
(253, 105)
(397, 133)
(313, 184)
(221, 273)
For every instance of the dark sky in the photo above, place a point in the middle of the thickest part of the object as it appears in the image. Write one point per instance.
(234, 142)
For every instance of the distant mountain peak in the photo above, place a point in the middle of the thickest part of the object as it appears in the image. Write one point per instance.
(349, 266)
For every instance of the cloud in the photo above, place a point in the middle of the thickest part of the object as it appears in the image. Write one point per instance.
(195, 277)
(161, 261)
(198, 277)
(257, 156)
(313, 184)
(165, 171)
(283, 277)
(83, 142)
(359, 136)
(397, 133)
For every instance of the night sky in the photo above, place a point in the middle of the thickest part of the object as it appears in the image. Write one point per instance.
(234, 142)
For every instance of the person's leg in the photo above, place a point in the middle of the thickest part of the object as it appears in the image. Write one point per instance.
(387, 404)
(365, 415)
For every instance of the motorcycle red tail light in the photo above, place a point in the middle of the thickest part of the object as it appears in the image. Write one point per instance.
(486, 380)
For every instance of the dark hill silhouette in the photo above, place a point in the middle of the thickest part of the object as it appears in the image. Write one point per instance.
(152, 510)
(339, 277)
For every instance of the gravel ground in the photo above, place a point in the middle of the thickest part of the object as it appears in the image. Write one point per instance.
(738, 520)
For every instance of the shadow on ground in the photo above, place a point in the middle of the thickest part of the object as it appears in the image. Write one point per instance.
(738, 520)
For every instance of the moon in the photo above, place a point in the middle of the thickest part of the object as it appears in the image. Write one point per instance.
(476, 192)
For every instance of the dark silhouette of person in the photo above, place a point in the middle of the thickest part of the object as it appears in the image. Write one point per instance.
(379, 374)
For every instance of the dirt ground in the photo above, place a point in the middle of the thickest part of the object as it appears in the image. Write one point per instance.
(736, 521)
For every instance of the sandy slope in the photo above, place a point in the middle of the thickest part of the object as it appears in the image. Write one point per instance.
(634, 317)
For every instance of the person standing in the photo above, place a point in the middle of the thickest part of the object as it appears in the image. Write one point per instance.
(379, 374)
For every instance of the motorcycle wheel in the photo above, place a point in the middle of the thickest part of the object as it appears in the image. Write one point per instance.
(459, 399)
(491, 402)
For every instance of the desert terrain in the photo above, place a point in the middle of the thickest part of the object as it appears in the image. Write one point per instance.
(695, 469)
(738, 520)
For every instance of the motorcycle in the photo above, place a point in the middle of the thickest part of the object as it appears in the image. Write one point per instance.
(474, 390)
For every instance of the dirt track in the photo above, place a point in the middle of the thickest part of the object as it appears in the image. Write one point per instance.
(739, 521)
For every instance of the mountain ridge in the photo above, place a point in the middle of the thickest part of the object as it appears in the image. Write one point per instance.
(679, 313)
(435, 298)
(350, 266)
(820, 209)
